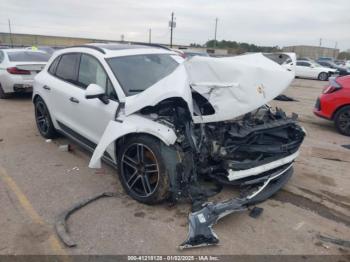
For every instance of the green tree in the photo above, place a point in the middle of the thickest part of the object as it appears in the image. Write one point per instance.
(344, 56)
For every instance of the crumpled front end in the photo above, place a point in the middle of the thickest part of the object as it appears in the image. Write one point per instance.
(213, 113)
(255, 145)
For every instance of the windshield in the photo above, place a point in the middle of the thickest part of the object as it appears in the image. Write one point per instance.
(26, 56)
(138, 72)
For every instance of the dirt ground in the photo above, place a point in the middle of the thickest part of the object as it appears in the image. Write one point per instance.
(38, 182)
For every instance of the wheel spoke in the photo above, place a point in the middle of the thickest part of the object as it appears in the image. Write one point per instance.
(130, 162)
(41, 119)
(41, 109)
(137, 177)
(146, 185)
(151, 168)
(140, 153)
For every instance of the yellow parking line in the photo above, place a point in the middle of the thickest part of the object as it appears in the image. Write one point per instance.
(55, 245)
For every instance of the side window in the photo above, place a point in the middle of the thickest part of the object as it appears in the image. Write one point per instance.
(91, 72)
(1, 56)
(67, 68)
(303, 64)
(53, 66)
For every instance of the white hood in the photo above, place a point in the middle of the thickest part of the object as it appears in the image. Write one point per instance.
(233, 85)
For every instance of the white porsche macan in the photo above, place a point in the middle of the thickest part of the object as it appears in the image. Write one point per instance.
(165, 122)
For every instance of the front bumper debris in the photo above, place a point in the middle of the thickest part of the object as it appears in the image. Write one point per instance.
(201, 222)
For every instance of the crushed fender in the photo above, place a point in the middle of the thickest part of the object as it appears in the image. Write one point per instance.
(61, 223)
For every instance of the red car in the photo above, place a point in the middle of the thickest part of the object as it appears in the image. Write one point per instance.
(334, 103)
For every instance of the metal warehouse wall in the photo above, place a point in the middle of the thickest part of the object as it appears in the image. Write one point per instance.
(313, 52)
(29, 40)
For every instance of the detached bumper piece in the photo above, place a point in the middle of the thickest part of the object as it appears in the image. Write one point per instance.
(201, 222)
(61, 223)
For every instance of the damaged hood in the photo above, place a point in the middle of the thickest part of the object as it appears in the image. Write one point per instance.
(174, 85)
(234, 86)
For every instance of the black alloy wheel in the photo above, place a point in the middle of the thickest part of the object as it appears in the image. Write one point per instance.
(140, 170)
(43, 119)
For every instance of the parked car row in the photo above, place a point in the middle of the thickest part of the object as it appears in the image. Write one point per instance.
(309, 69)
(320, 69)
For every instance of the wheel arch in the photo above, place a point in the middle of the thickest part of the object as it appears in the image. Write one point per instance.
(35, 97)
(121, 140)
(117, 132)
(338, 109)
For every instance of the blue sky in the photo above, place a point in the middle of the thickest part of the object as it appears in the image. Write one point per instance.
(262, 22)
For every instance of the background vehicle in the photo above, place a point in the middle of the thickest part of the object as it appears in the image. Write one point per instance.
(305, 59)
(187, 53)
(18, 68)
(334, 103)
(308, 69)
(342, 71)
(325, 58)
(192, 53)
(47, 49)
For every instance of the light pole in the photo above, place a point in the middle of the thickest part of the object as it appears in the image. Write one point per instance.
(216, 29)
(172, 25)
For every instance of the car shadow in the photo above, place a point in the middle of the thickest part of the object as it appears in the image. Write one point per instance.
(20, 96)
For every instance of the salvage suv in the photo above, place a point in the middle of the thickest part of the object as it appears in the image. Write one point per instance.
(166, 122)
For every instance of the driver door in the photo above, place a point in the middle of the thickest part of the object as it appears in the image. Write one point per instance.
(91, 116)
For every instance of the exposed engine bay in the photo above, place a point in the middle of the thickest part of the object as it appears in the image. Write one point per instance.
(224, 150)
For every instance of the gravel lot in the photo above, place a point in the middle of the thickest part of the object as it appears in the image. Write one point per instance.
(38, 182)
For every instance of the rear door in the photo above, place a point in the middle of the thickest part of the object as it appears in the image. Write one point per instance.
(303, 69)
(61, 86)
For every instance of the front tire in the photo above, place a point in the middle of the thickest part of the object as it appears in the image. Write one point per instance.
(323, 76)
(342, 121)
(143, 169)
(43, 119)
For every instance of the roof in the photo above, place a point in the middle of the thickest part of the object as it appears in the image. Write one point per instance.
(122, 49)
(105, 47)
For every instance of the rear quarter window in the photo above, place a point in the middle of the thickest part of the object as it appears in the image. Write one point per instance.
(67, 68)
(26, 56)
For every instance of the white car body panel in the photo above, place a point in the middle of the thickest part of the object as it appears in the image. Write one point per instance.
(131, 124)
(239, 174)
(174, 85)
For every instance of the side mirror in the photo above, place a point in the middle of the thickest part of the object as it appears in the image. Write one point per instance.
(95, 91)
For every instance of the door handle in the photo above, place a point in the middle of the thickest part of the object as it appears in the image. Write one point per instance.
(74, 100)
(46, 88)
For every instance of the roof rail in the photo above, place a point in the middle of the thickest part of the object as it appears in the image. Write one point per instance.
(145, 44)
(92, 47)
